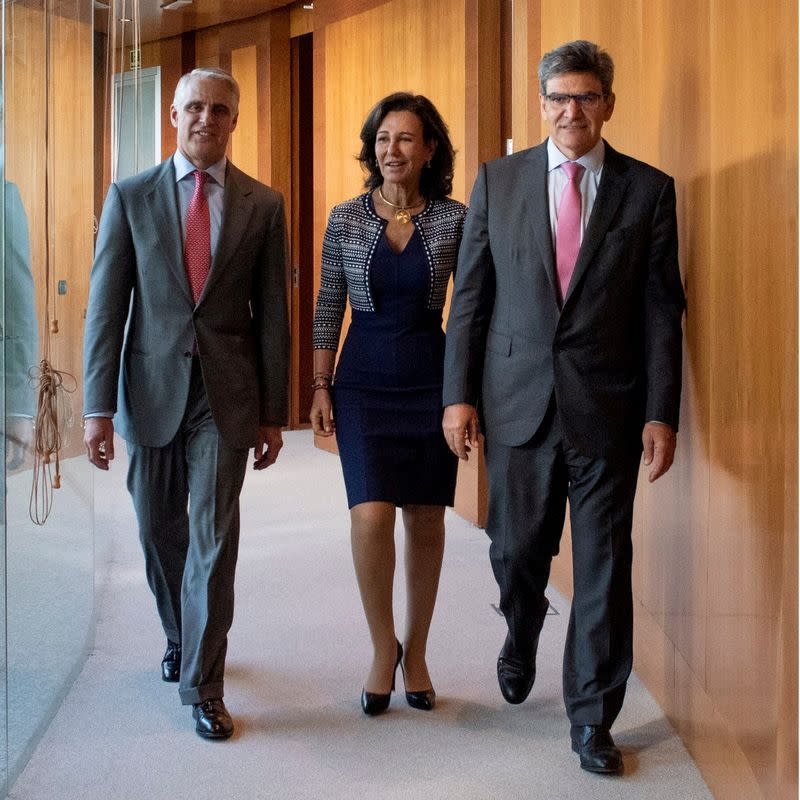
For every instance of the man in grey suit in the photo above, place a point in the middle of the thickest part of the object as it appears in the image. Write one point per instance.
(564, 339)
(186, 347)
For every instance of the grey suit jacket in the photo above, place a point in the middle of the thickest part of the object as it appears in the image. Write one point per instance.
(141, 322)
(612, 354)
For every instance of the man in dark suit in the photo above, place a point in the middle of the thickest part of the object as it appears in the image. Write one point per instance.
(186, 347)
(565, 334)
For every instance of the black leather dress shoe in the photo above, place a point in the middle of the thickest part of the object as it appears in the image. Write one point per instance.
(171, 663)
(213, 719)
(515, 674)
(593, 743)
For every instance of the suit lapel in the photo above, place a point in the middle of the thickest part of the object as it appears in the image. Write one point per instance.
(610, 192)
(162, 202)
(237, 208)
(537, 209)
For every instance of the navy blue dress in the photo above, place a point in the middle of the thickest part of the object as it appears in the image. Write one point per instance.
(387, 395)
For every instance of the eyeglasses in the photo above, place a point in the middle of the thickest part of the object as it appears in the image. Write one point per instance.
(588, 101)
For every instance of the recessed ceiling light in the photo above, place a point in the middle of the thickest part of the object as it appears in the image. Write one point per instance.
(173, 4)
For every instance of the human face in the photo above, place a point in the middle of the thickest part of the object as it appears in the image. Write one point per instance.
(204, 118)
(573, 129)
(401, 150)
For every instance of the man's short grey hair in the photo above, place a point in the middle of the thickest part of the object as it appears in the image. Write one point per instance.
(577, 56)
(207, 72)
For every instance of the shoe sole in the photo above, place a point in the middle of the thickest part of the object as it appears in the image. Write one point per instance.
(213, 736)
(597, 770)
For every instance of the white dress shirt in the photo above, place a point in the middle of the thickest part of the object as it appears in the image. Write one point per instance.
(214, 190)
(557, 179)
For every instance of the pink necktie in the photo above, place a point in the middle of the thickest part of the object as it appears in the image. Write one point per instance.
(568, 227)
(197, 248)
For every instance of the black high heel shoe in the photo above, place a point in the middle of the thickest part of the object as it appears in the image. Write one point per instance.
(373, 703)
(424, 700)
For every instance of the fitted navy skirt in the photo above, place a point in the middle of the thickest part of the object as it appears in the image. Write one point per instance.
(392, 447)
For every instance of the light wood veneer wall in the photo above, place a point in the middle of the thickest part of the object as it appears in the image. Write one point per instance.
(707, 91)
(68, 159)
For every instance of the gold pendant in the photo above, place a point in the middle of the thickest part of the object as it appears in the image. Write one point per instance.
(402, 216)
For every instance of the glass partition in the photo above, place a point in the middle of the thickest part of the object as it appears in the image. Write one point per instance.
(47, 579)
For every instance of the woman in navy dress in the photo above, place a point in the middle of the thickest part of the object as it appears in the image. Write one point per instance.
(392, 251)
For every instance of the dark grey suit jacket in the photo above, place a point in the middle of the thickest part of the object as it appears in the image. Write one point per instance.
(612, 354)
(141, 322)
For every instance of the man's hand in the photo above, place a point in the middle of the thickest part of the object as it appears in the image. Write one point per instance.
(98, 436)
(269, 436)
(659, 442)
(460, 426)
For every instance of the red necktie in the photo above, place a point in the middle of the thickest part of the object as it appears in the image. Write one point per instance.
(197, 248)
(568, 227)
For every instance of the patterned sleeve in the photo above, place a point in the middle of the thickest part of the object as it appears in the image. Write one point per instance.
(332, 297)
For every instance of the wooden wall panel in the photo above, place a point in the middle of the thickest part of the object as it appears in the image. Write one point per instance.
(69, 136)
(244, 142)
(257, 49)
(402, 45)
(715, 567)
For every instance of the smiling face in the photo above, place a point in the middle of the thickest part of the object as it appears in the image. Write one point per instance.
(576, 130)
(204, 113)
(401, 149)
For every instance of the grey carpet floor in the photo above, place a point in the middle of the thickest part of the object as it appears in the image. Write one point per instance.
(297, 656)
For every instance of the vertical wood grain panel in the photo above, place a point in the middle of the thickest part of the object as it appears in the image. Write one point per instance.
(483, 95)
(525, 53)
(713, 103)
(69, 165)
(402, 45)
(244, 140)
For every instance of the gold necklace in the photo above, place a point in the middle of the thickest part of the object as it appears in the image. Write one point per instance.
(401, 213)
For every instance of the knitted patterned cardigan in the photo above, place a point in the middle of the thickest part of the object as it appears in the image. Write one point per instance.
(353, 232)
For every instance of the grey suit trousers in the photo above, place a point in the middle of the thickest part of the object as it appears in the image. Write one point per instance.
(186, 497)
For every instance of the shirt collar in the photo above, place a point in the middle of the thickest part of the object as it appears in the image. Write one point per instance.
(592, 161)
(184, 167)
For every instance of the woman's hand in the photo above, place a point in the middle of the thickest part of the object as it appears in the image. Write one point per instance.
(321, 413)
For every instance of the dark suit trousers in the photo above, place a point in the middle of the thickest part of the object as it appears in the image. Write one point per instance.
(528, 490)
(186, 497)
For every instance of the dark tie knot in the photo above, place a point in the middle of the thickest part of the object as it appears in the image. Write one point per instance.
(573, 169)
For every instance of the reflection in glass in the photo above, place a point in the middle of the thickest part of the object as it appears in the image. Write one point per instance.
(46, 573)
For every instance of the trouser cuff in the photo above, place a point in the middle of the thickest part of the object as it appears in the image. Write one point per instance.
(198, 694)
